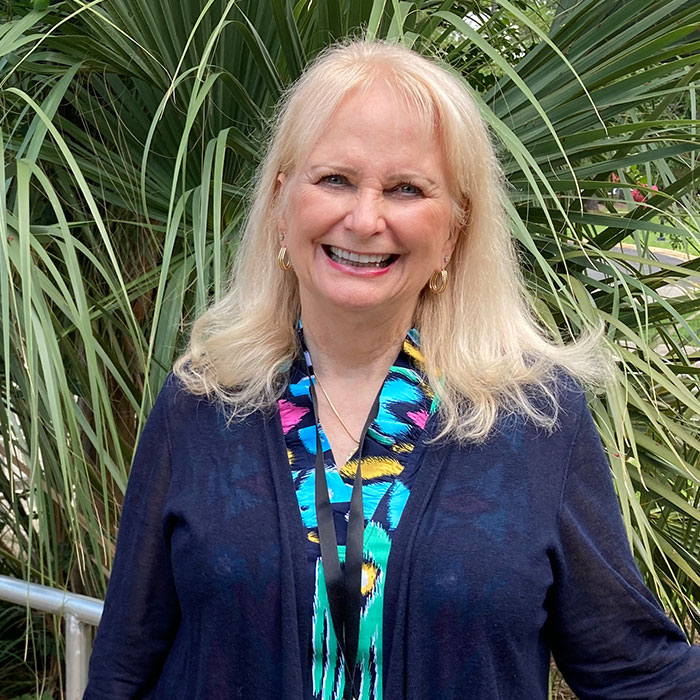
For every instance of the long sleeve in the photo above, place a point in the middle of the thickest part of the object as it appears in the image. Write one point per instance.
(141, 613)
(610, 637)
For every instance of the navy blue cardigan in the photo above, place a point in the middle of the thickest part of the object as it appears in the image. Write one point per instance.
(506, 551)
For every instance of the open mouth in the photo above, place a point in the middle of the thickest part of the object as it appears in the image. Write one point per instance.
(346, 257)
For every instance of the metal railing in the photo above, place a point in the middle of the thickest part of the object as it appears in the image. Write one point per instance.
(79, 611)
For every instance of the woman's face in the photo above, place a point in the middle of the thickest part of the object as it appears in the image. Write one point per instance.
(367, 216)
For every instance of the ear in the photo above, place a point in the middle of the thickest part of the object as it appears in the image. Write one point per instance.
(281, 219)
(450, 244)
(458, 227)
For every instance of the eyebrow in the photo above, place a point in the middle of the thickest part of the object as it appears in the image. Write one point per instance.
(335, 167)
(401, 177)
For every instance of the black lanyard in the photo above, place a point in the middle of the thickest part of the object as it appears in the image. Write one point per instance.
(344, 591)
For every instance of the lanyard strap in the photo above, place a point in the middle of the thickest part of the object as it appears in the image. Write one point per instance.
(344, 590)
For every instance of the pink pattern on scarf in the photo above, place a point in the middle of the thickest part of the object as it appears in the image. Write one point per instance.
(290, 414)
(420, 418)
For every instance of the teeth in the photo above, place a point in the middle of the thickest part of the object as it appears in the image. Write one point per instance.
(357, 257)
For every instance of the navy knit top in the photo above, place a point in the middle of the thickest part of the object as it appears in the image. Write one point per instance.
(506, 551)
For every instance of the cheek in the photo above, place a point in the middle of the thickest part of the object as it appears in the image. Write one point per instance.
(443, 218)
(311, 213)
(429, 229)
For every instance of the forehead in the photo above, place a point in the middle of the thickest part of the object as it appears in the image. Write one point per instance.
(378, 119)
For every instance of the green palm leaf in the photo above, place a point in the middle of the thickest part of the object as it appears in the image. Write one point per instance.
(130, 134)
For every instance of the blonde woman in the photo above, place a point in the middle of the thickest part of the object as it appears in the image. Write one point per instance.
(372, 475)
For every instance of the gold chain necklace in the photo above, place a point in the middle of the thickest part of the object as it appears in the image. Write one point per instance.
(335, 411)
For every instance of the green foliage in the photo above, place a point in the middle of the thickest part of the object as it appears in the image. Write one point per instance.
(27, 651)
(130, 133)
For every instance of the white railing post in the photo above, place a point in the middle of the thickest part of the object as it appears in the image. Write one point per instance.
(77, 656)
(79, 611)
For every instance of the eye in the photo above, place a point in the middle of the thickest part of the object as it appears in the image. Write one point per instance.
(334, 180)
(407, 189)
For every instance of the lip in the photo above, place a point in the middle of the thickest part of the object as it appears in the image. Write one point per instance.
(358, 271)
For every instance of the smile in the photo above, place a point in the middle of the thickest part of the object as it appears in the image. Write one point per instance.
(346, 257)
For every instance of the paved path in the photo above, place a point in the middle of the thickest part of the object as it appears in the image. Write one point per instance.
(677, 288)
(663, 254)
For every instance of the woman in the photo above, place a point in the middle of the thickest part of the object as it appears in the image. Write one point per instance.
(372, 475)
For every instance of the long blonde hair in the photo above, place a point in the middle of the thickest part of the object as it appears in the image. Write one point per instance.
(485, 353)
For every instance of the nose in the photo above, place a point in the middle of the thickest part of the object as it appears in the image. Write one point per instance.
(366, 216)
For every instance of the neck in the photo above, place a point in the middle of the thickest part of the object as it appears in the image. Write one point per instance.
(350, 344)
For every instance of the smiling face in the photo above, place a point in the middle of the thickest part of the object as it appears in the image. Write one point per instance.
(367, 216)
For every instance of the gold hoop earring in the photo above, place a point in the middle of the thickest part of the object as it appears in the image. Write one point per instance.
(438, 282)
(283, 260)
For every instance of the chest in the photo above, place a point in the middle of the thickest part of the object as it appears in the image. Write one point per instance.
(342, 444)
(475, 535)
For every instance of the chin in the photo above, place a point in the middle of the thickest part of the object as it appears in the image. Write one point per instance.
(363, 303)
(359, 305)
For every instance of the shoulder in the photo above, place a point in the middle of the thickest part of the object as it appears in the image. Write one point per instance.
(175, 397)
(544, 448)
(178, 411)
(560, 400)
(570, 399)
(173, 394)
(574, 423)
(171, 398)
(186, 413)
